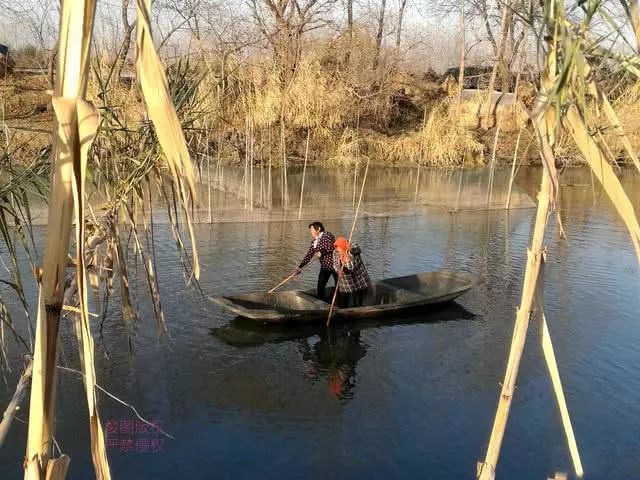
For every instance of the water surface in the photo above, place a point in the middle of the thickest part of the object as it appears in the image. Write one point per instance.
(410, 397)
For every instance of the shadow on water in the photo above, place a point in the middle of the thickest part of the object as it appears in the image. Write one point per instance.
(329, 354)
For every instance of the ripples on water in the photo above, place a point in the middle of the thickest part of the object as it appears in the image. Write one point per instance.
(404, 398)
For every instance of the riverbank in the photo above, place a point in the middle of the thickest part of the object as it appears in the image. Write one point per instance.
(417, 119)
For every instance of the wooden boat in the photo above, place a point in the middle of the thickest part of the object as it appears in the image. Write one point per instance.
(388, 296)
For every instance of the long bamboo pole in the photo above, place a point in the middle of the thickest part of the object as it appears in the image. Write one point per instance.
(353, 227)
(292, 275)
(486, 470)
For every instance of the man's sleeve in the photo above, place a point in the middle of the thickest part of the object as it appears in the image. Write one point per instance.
(307, 258)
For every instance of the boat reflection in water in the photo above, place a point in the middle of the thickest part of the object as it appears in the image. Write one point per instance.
(329, 354)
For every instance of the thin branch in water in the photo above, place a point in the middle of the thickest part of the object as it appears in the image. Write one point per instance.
(77, 372)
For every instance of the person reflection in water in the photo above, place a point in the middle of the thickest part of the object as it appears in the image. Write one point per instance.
(336, 356)
(322, 247)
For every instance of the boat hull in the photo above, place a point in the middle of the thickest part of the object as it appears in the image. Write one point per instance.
(386, 297)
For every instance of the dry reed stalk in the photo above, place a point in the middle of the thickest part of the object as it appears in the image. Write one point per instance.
(353, 227)
(270, 191)
(76, 123)
(492, 166)
(635, 21)
(210, 218)
(74, 131)
(603, 171)
(486, 471)
(285, 185)
(457, 202)
(357, 162)
(513, 170)
(251, 164)
(421, 154)
(304, 173)
(153, 83)
(552, 365)
(246, 161)
(14, 404)
(355, 183)
(262, 200)
(558, 104)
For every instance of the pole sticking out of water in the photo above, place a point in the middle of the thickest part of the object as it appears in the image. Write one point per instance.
(355, 169)
(251, 163)
(353, 227)
(420, 154)
(304, 173)
(513, 170)
(492, 167)
(269, 191)
(246, 160)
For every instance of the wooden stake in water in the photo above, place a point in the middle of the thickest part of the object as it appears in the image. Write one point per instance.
(269, 190)
(355, 169)
(492, 167)
(304, 173)
(251, 163)
(246, 160)
(208, 176)
(421, 154)
(513, 169)
(353, 227)
(285, 192)
(261, 168)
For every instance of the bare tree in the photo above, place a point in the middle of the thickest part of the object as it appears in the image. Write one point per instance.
(284, 22)
(380, 31)
(403, 4)
(123, 52)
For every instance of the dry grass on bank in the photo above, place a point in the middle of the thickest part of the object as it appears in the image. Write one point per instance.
(348, 119)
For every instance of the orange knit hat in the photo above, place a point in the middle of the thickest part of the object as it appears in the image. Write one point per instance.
(342, 244)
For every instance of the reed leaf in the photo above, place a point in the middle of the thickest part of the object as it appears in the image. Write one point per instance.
(575, 123)
(162, 113)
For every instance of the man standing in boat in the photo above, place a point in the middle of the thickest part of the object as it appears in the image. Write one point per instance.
(321, 246)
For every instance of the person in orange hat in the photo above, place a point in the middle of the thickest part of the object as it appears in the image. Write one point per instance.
(353, 280)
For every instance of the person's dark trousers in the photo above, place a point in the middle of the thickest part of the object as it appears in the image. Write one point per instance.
(358, 297)
(323, 277)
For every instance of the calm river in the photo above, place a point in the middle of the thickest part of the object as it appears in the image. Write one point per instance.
(410, 397)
